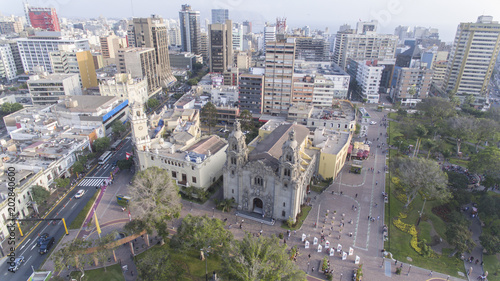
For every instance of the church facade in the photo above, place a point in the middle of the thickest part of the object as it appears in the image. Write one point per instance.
(272, 179)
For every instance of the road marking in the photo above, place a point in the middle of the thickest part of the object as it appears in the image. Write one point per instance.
(25, 244)
(28, 259)
(33, 247)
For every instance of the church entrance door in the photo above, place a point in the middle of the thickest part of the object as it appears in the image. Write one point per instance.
(258, 206)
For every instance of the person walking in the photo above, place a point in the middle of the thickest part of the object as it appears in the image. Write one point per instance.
(430, 273)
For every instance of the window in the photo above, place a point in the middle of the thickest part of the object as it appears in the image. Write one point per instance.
(289, 157)
(232, 191)
(287, 172)
(152, 158)
(174, 174)
(258, 181)
(235, 147)
(284, 204)
(232, 172)
(233, 161)
(194, 179)
(283, 214)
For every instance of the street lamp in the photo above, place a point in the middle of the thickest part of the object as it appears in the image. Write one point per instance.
(205, 251)
(213, 214)
(341, 276)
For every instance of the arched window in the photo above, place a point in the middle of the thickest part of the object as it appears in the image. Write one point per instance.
(233, 160)
(258, 181)
(235, 146)
(287, 172)
(288, 157)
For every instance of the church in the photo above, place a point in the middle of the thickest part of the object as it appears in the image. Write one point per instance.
(272, 178)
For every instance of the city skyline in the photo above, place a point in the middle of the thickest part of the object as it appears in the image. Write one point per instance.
(317, 15)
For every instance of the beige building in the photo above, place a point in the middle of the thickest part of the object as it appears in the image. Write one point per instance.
(412, 86)
(243, 60)
(70, 60)
(124, 87)
(140, 63)
(109, 47)
(280, 57)
(195, 163)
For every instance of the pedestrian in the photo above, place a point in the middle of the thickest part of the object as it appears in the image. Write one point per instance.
(309, 256)
(477, 261)
(368, 217)
(448, 278)
(395, 262)
(430, 273)
(312, 269)
(356, 196)
(409, 268)
(132, 272)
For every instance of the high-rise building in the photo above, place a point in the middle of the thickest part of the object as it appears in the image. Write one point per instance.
(412, 86)
(247, 27)
(44, 18)
(140, 63)
(8, 70)
(364, 46)
(35, 50)
(174, 35)
(312, 49)
(220, 15)
(237, 36)
(110, 45)
(204, 45)
(190, 30)
(70, 60)
(220, 46)
(152, 33)
(402, 32)
(368, 75)
(11, 26)
(472, 58)
(280, 58)
(251, 88)
(269, 34)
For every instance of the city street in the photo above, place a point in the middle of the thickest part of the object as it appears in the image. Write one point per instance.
(67, 208)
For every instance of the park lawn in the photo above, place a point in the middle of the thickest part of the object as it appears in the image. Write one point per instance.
(77, 223)
(460, 162)
(190, 261)
(392, 115)
(393, 132)
(425, 231)
(304, 211)
(492, 265)
(113, 273)
(399, 242)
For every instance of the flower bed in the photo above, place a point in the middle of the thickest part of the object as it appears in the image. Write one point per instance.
(408, 228)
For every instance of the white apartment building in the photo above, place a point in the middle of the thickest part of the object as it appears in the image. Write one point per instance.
(48, 89)
(269, 35)
(8, 70)
(473, 57)
(368, 77)
(237, 37)
(35, 52)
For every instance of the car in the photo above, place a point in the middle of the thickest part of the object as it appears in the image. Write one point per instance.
(79, 193)
(14, 266)
(41, 238)
(373, 123)
(46, 245)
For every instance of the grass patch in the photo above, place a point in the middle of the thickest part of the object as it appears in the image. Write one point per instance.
(492, 265)
(113, 273)
(460, 162)
(399, 242)
(77, 223)
(304, 211)
(392, 115)
(190, 261)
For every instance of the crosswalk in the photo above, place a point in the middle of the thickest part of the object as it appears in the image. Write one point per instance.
(92, 181)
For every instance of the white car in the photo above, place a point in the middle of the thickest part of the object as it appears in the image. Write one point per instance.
(373, 123)
(79, 193)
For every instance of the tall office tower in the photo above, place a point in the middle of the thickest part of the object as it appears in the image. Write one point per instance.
(472, 58)
(140, 63)
(204, 45)
(109, 47)
(220, 40)
(247, 27)
(190, 30)
(269, 34)
(237, 36)
(312, 49)
(44, 18)
(365, 46)
(152, 33)
(280, 58)
(250, 93)
(220, 15)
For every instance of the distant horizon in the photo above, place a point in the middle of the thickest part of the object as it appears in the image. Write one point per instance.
(315, 14)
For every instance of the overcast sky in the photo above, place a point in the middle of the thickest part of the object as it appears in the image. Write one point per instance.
(442, 14)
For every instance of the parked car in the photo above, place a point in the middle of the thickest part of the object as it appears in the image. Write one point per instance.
(373, 122)
(42, 238)
(46, 245)
(79, 193)
(14, 266)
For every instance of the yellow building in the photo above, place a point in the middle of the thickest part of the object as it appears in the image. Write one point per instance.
(87, 69)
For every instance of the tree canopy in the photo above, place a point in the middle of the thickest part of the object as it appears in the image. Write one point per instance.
(152, 103)
(8, 107)
(420, 175)
(246, 120)
(487, 161)
(436, 109)
(198, 232)
(158, 265)
(155, 199)
(40, 194)
(73, 254)
(118, 127)
(101, 144)
(260, 258)
(209, 116)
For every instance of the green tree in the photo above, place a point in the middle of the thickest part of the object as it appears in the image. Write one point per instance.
(487, 161)
(485, 130)
(60, 183)
(158, 265)
(246, 120)
(209, 116)
(260, 258)
(16, 107)
(192, 82)
(421, 132)
(460, 128)
(73, 254)
(101, 144)
(436, 109)
(125, 164)
(155, 199)
(199, 232)
(6, 107)
(152, 103)
(118, 127)
(420, 175)
(40, 194)
(78, 167)
(491, 243)
(459, 236)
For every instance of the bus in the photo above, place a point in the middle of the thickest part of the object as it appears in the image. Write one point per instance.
(105, 157)
(115, 145)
